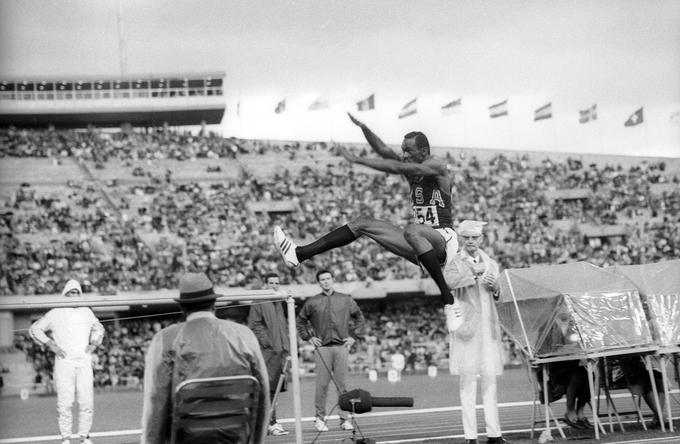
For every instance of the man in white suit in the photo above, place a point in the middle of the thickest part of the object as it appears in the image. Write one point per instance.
(72, 333)
(476, 347)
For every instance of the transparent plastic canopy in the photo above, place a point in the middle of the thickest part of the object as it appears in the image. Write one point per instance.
(571, 308)
(659, 287)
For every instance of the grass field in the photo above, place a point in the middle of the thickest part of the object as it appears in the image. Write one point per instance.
(435, 416)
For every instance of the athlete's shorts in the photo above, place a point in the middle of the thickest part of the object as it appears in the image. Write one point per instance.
(451, 239)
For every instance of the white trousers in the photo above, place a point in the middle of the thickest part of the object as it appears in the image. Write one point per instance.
(468, 400)
(71, 379)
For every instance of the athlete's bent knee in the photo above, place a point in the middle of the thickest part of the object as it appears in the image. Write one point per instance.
(361, 224)
(413, 233)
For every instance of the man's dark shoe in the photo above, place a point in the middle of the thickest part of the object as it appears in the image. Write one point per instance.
(471, 441)
(656, 424)
(585, 424)
(575, 424)
(497, 440)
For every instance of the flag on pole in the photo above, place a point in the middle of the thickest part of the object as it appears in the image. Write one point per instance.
(452, 107)
(409, 109)
(320, 103)
(635, 119)
(588, 114)
(499, 109)
(280, 107)
(544, 112)
(366, 104)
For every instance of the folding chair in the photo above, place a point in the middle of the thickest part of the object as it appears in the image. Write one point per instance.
(533, 375)
(665, 357)
(607, 385)
(216, 410)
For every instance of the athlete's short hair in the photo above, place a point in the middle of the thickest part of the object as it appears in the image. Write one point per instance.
(421, 139)
(322, 271)
(270, 275)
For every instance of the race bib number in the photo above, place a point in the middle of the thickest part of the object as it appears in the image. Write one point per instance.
(426, 215)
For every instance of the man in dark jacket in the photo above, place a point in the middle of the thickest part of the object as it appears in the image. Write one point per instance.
(327, 321)
(268, 321)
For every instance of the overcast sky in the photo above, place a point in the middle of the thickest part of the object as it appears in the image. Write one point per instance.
(621, 55)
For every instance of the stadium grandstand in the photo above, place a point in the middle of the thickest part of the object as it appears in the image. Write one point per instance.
(110, 101)
(140, 141)
(125, 212)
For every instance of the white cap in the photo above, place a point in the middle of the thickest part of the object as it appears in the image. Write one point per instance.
(470, 228)
(72, 284)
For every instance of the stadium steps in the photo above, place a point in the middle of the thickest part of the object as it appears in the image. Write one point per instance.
(266, 166)
(102, 191)
(38, 171)
(195, 170)
(21, 374)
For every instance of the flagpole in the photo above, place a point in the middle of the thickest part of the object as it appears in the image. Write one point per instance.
(509, 129)
(122, 57)
(466, 141)
(599, 133)
(646, 136)
(327, 116)
(553, 126)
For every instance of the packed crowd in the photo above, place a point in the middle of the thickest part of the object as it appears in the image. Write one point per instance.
(87, 234)
(130, 144)
(414, 329)
(126, 144)
(91, 234)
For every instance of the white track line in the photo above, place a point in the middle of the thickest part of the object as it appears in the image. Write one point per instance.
(34, 439)
(662, 439)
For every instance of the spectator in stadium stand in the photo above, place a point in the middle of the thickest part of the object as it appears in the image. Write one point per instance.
(268, 321)
(203, 346)
(72, 333)
(327, 320)
(506, 190)
(430, 241)
(476, 347)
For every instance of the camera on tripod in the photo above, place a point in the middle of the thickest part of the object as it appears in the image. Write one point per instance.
(359, 401)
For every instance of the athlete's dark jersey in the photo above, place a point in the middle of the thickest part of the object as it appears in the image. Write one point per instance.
(431, 204)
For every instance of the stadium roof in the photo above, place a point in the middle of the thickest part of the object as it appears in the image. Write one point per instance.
(135, 76)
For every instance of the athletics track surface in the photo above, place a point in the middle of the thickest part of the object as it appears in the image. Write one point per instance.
(435, 417)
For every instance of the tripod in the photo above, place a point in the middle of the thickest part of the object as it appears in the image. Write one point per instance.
(352, 418)
(352, 414)
(279, 386)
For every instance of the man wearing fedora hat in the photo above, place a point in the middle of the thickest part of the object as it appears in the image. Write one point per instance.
(202, 346)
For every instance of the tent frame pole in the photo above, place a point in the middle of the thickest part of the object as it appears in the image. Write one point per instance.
(521, 323)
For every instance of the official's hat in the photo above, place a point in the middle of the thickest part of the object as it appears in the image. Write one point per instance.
(470, 228)
(72, 284)
(194, 288)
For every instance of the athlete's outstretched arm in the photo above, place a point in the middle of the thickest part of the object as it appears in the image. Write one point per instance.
(431, 167)
(376, 143)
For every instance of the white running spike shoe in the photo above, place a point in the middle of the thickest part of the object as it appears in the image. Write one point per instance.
(454, 315)
(286, 248)
(320, 425)
(346, 425)
(277, 429)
